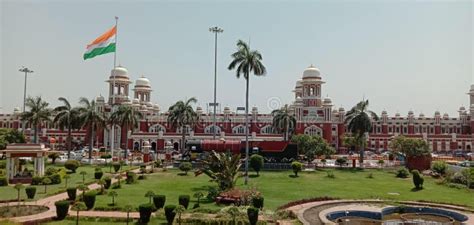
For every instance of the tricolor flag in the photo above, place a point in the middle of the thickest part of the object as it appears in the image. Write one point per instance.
(102, 45)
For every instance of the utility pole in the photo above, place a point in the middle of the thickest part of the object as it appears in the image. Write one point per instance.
(215, 30)
(26, 71)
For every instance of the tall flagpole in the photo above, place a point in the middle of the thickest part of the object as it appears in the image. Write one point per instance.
(112, 137)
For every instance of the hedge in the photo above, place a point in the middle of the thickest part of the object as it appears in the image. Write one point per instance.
(252, 214)
(116, 166)
(3, 181)
(89, 199)
(62, 209)
(72, 165)
(30, 192)
(98, 175)
(36, 180)
(257, 202)
(72, 193)
(170, 213)
(184, 200)
(159, 201)
(108, 182)
(145, 212)
(131, 178)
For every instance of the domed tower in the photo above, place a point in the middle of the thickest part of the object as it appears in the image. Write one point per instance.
(311, 85)
(298, 89)
(118, 85)
(142, 90)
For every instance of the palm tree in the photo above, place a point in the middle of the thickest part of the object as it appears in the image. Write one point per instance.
(284, 121)
(91, 118)
(67, 117)
(247, 61)
(359, 122)
(127, 117)
(222, 168)
(37, 114)
(182, 115)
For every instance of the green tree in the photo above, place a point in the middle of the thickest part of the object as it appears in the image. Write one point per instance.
(53, 157)
(312, 146)
(185, 167)
(297, 167)
(179, 210)
(222, 169)
(246, 61)
(92, 119)
(359, 122)
(182, 115)
(67, 117)
(284, 121)
(46, 181)
(198, 195)
(256, 162)
(150, 195)
(101, 182)
(83, 174)
(113, 194)
(37, 114)
(128, 208)
(128, 118)
(410, 146)
(18, 187)
(8, 136)
(83, 188)
(66, 178)
(78, 206)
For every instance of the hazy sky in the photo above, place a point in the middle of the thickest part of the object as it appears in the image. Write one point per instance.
(401, 55)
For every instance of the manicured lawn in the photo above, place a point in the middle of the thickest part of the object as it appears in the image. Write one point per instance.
(103, 221)
(279, 188)
(8, 192)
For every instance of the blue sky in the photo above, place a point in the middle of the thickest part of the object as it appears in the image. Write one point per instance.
(401, 55)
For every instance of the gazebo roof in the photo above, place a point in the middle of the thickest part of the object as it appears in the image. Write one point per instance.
(21, 148)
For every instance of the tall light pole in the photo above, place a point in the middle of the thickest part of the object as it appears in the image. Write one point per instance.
(26, 71)
(215, 30)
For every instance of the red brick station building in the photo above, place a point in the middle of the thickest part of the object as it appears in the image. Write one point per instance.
(315, 114)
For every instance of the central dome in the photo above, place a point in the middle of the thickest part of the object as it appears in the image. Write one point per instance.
(311, 72)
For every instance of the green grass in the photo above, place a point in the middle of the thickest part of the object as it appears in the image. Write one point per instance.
(8, 192)
(103, 221)
(279, 188)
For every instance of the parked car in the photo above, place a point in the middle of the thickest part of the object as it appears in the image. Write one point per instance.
(466, 164)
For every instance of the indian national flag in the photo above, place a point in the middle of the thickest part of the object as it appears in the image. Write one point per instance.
(102, 45)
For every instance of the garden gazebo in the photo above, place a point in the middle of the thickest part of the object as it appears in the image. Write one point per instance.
(15, 151)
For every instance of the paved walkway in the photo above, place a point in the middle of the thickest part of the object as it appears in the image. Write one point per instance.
(51, 213)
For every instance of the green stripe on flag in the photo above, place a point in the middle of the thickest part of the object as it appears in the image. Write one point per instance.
(100, 51)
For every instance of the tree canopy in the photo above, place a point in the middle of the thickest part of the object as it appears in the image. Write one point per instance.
(312, 146)
(410, 146)
(8, 136)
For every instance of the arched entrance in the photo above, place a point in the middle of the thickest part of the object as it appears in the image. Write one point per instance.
(153, 146)
(176, 146)
(136, 146)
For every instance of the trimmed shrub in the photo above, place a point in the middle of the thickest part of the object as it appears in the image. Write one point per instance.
(98, 173)
(131, 178)
(55, 178)
(170, 213)
(36, 180)
(145, 212)
(257, 202)
(71, 193)
(3, 181)
(402, 173)
(185, 167)
(256, 162)
(417, 179)
(62, 209)
(51, 170)
(297, 167)
(108, 182)
(72, 165)
(30, 192)
(184, 200)
(341, 161)
(252, 214)
(3, 164)
(116, 166)
(89, 199)
(159, 201)
(439, 167)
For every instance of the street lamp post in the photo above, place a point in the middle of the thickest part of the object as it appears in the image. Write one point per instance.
(26, 71)
(215, 30)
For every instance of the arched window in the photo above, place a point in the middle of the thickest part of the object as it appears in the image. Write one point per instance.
(157, 128)
(313, 131)
(210, 129)
(238, 129)
(268, 129)
(311, 91)
(187, 130)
